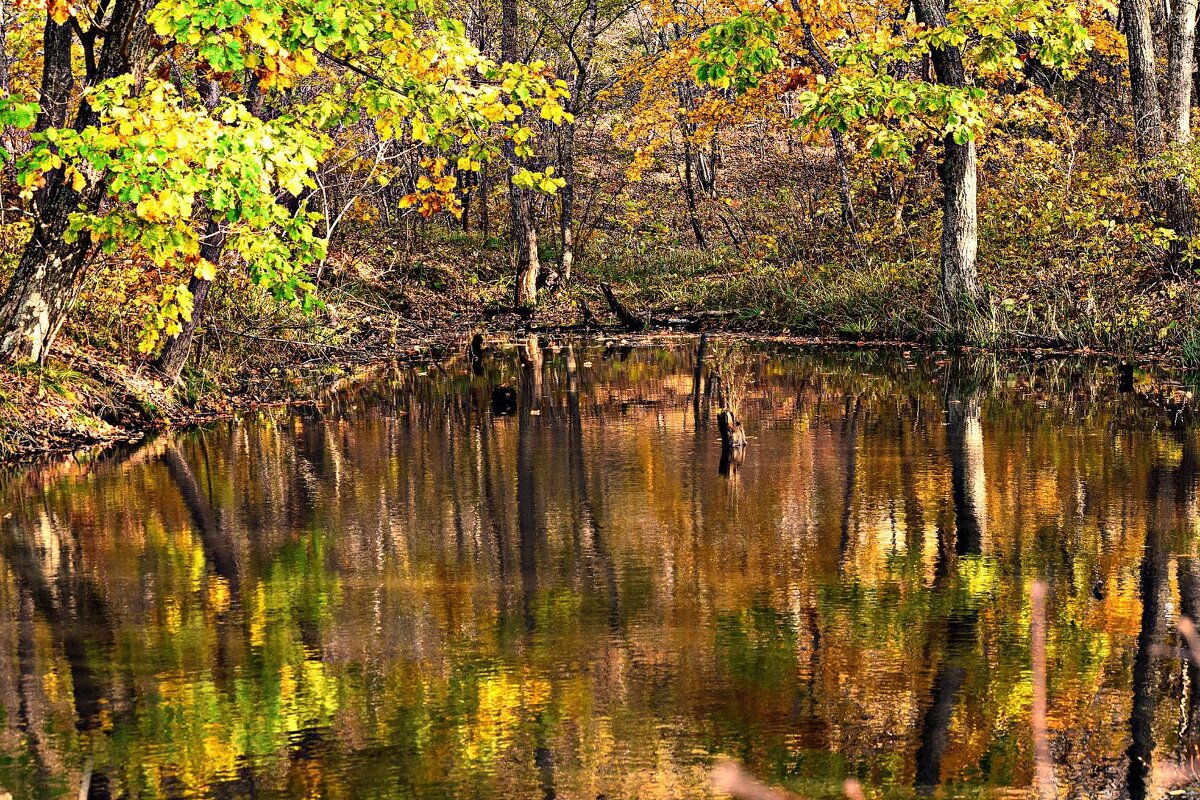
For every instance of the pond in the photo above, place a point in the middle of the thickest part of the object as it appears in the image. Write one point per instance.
(539, 576)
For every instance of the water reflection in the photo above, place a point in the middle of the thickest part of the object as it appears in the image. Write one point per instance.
(533, 574)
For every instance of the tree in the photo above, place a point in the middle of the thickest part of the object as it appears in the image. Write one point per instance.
(523, 227)
(877, 84)
(33, 306)
(1160, 126)
(142, 166)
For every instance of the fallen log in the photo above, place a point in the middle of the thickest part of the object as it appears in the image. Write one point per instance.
(628, 318)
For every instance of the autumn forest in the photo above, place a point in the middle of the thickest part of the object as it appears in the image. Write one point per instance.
(581, 399)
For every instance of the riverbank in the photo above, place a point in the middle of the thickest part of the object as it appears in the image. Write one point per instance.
(78, 401)
(424, 305)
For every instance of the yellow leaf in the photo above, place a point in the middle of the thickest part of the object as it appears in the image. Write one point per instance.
(206, 270)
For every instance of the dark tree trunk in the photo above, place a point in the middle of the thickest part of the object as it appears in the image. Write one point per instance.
(175, 352)
(485, 219)
(177, 348)
(839, 140)
(689, 195)
(42, 288)
(567, 200)
(566, 220)
(468, 179)
(58, 81)
(583, 65)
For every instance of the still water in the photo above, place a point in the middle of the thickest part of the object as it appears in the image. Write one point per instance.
(436, 589)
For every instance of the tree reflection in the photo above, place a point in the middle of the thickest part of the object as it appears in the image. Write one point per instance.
(413, 594)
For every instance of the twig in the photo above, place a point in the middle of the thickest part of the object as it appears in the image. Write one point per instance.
(1046, 784)
(732, 779)
(1191, 638)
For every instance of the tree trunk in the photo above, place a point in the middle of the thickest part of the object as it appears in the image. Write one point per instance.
(485, 218)
(689, 194)
(960, 228)
(527, 265)
(42, 289)
(583, 65)
(177, 348)
(567, 199)
(1167, 197)
(706, 168)
(839, 140)
(1147, 113)
(39, 293)
(524, 232)
(466, 179)
(1181, 61)
(844, 190)
(57, 80)
(175, 352)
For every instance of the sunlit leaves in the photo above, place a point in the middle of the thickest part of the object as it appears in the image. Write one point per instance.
(739, 52)
(874, 86)
(15, 113)
(163, 162)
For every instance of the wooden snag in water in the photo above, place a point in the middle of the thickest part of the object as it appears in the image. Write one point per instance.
(732, 434)
(475, 351)
(628, 318)
(504, 401)
(1125, 377)
(731, 461)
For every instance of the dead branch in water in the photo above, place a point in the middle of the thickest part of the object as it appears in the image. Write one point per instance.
(733, 437)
